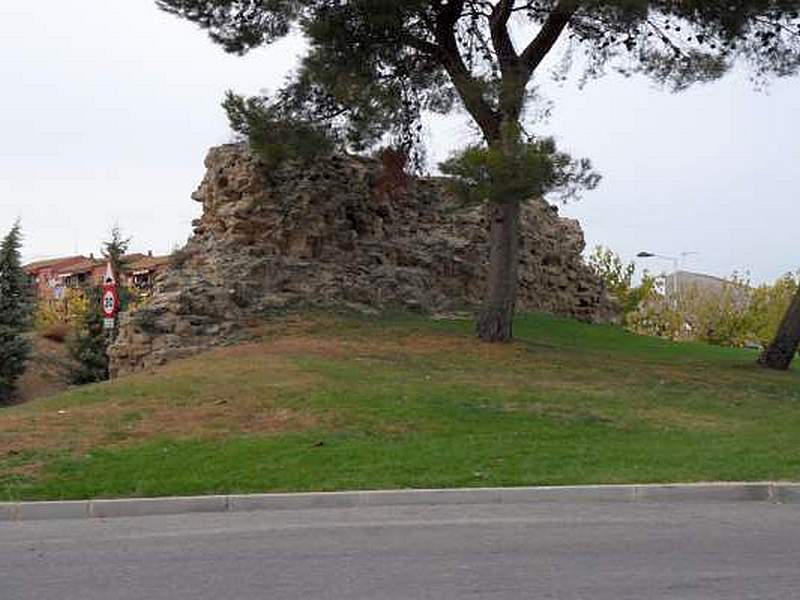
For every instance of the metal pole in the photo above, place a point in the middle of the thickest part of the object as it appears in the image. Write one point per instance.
(676, 285)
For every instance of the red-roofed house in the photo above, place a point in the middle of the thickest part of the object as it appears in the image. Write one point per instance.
(46, 273)
(53, 277)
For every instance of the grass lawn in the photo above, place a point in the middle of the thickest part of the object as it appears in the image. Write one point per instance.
(330, 403)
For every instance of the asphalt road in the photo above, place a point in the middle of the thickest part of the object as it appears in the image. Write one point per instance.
(612, 551)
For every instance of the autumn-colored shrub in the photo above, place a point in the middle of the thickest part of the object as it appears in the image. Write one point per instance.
(69, 310)
(736, 315)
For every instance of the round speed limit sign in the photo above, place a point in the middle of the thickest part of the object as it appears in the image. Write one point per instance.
(109, 303)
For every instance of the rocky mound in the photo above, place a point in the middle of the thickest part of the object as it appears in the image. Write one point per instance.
(341, 232)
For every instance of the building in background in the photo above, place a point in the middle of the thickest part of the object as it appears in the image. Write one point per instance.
(55, 276)
(46, 275)
(140, 274)
(682, 284)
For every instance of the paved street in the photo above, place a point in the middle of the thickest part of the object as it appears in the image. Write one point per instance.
(611, 551)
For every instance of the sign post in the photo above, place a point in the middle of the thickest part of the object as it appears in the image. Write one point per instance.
(110, 299)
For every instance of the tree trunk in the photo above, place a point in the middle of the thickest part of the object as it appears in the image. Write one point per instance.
(781, 351)
(496, 319)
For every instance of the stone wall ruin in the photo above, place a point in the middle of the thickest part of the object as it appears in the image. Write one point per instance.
(332, 234)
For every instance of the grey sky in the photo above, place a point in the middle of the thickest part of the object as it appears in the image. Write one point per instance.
(109, 106)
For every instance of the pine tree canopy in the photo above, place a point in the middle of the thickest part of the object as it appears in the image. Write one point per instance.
(15, 291)
(114, 251)
(15, 313)
(374, 65)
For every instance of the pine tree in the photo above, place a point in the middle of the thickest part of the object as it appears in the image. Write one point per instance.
(16, 307)
(88, 346)
(114, 251)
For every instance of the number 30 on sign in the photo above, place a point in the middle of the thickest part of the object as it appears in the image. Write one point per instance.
(110, 305)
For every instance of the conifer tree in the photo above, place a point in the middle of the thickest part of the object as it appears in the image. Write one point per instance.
(16, 307)
(88, 347)
(114, 251)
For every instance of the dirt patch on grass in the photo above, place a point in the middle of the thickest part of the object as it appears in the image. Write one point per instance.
(661, 418)
(219, 420)
(324, 336)
(670, 417)
(560, 412)
(79, 429)
(229, 391)
(302, 345)
(342, 348)
(27, 470)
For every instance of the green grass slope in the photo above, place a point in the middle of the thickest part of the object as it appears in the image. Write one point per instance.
(331, 403)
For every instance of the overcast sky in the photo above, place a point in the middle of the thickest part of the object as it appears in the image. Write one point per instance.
(109, 106)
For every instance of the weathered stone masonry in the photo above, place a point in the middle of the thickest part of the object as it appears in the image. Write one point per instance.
(331, 234)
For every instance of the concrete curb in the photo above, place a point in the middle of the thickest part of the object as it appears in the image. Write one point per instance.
(772, 492)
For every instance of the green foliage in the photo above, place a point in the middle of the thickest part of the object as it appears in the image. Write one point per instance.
(737, 315)
(114, 251)
(618, 279)
(14, 353)
(276, 137)
(238, 26)
(68, 311)
(716, 317)
(374, 65)
(522, 169)
(128, 299)
(16, 291)
(768, 305)
(87, 346)
(16, 306)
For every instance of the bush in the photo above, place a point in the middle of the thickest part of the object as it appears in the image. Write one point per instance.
(59, 313)
(618, 280)
(738, 315)
(768, 305)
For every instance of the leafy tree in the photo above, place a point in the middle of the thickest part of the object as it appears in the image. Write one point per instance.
(16, 308)
(374, 66)
(618, 279)
(768, 305)
(88, 345)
